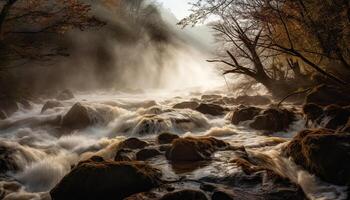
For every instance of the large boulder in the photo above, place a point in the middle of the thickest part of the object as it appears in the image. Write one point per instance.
(166, 138)
(325, 95)
(210, 109)
(133, 143)
(50, 105)
(244, 113)
(185, 195)
(322, 152)
(194, 149)
(313, 112)
(273, 119)
(186, 105)
(93, 180)
(65, 95)
(336, 117)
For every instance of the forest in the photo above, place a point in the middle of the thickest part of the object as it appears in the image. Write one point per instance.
(124, 99)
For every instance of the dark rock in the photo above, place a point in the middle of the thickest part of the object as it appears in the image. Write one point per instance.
(337, 117)
(106, 180)
(151, 125)
(133, 143)
(165, 147)
(50, 105)
(322, 152)
(25, 103)
(185, 195)
(253, 100)
(346, 127)
(186, 105)
(3, 115)
(243, 113)
(146, 154)
(7, 161)
(326, 95)
(273, 119)
(211, 109)
(166, 138)
(221, 195)
(9, 106)
(211, 97)
(313, 112)
(194, 149)
(124, 155)
(65, 95)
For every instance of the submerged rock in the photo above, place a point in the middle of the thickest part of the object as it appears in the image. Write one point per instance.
(145, 154)
(325, 95)
(133, 143)
(194, 149)
(50, 105)
(210, 109)
(106, 180)
(322, 152)
(166, 138)
(244, 113)
(186, 105)
(185, 195)
(65, 95)
(273, 119)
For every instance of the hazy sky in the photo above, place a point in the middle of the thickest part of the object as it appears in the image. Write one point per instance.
(178, 7)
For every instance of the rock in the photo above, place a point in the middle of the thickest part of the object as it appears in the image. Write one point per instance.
(25, 103)
(146, 154)
(244, 113)
(322, 152)
(166, 138)
(211, 109)
(346, 127)
(221, 195)
(194, 149)
(3, 115)
(211, 97)
(133, 143)
(7, 162)
(151, 125)
(186, 105)
(124, 155)
(313, 112)
(65, 95)
(106, 180)
(336, 117)
(185, 195)
(9, 106)
(253, 100)
(50, 105)
(273, 119)
(326, 95)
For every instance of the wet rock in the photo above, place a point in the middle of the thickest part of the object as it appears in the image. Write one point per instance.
(165, 147)
(124, 155)
(337, 117)
(151, 125)
(313, 112)
(244, 113)
(186, 105)
(65, 95)
(133, 143)
(50, 105)
(210, 109)
(253, 100)
(166, 138)
(7, 161)
(221, 195)
(185, 194)
(9, 106)
(322, 152)
(25, 103)
(106, 180)
(194, 149)
(211, 97)
(3, 115)
(326, 95)
(273, 119)
(148, 153)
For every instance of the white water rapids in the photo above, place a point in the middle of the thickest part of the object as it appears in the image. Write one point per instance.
(45, 157)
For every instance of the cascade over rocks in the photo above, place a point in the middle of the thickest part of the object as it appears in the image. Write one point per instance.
(210, 109)
(7, 162)
(243, 113)
(91, 180)
(273, 119)
(194, 149)
(50, 105)
(322, 152)
(166, 138)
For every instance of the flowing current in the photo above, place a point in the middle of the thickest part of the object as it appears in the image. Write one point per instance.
(44, 155)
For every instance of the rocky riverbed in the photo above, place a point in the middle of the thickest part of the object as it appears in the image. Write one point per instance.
(169, 146)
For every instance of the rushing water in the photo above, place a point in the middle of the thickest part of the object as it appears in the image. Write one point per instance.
(45, 156)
